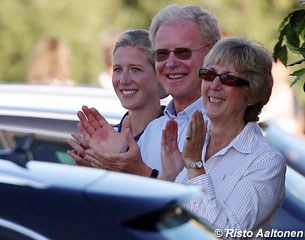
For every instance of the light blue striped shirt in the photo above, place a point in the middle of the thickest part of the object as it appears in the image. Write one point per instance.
(244, 183)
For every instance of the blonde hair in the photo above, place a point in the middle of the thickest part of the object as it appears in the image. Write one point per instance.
(139, 38)
(206, 21)
(49, 62)
(251, 60)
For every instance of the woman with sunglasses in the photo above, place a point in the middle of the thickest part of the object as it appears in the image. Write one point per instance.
(241, 174)
(136, 85)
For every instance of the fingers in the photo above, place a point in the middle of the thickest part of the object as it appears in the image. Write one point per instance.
(81, 139)
(91, 118)
(94, 162)
(196, 126)
(199, 127)
(126, 124)
(81, 116)
(86, 129)
(188, 136)
(195, 137)
(132, 144)
(98, 160)
(98, 117)
(80, 161)
(172, 134)
(76, 146)
(164, 140)
(164, 147)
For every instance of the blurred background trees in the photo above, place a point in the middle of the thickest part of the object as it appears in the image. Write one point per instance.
(82, 23)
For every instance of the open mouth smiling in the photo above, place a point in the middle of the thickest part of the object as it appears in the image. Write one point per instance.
(215, 100)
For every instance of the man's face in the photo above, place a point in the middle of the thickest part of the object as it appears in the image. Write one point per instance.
(179, 77)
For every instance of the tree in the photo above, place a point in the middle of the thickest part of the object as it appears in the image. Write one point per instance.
(292, 40)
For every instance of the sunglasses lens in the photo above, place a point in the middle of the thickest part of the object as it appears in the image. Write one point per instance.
(161, 55)
(183, 53)
(207, 75)
(228, 80)
(225, 79)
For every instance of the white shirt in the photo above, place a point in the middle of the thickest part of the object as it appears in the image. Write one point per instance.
(244, 183)
(150, 141)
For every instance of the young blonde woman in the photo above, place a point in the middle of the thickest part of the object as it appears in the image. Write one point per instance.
(136, 85)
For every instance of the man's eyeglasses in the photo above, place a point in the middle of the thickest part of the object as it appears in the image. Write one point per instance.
(181, 53)
(225, 79)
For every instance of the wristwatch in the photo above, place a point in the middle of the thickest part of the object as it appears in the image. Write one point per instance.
(194, 165)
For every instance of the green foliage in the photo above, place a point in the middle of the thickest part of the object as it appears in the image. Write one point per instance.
(291, 40)
(82, 23)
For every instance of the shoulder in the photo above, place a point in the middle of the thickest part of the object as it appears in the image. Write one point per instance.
(257, 146)
(265, 151)
(157, 123)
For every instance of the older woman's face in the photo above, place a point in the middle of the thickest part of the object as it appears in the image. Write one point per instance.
(224, 103)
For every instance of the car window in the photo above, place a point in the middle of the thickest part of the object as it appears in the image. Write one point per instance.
(50, 151)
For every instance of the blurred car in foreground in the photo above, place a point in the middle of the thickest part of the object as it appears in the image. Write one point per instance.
(56, 201)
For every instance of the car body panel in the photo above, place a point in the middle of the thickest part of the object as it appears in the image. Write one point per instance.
(68, 202)
(290, 145)
(291, 215)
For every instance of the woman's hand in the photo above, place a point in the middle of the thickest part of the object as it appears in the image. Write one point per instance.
(79, 145)
(194, 141)
(127, 162)
(100, 135)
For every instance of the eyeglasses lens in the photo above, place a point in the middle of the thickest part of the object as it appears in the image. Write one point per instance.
(181, 53)
(225, 79)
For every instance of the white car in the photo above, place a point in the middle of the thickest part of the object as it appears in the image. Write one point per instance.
(43, 117)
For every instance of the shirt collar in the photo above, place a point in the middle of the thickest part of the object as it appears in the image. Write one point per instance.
(188, 111)
(243, 142)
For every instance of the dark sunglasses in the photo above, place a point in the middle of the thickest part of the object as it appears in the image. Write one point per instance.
(225, 79)
(181, 53)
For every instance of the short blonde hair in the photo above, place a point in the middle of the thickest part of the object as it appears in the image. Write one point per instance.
(253, 62)
(206, 21)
